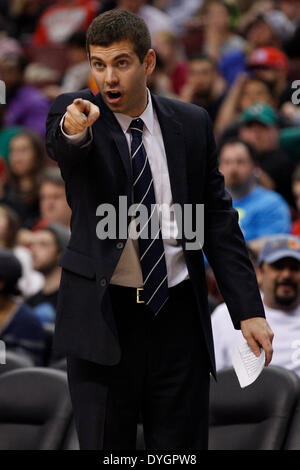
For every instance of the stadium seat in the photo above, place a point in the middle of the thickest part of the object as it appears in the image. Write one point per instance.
(293, 437)
(49, 332)
(71, 440)
(61, 364)
(256, 417)
(35, 409)
(14, 361)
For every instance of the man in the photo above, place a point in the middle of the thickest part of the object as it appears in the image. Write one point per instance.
(47, 246)
(204, 85)
(271, 65)
(22, 98)
(259, 127)
(155, 19)
(132, 314)
(279, 274)
(261, 211)
(53, 203)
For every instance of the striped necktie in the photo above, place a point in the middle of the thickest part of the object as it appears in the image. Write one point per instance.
(152, 254)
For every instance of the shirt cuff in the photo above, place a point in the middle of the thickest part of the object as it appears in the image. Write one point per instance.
(78, 138)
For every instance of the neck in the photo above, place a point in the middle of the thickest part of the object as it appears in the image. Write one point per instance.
(243, 189)
(142, 106)
(52, 281)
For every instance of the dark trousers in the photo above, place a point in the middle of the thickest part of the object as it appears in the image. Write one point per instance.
(163, 374)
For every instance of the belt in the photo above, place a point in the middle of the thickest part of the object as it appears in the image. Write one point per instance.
(136, 294)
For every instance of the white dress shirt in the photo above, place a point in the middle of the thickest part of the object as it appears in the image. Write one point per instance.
(128, 270)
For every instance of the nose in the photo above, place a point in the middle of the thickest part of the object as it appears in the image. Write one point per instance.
(286, 272)
(111, 77)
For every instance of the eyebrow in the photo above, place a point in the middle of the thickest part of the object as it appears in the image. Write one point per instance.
(120, 56)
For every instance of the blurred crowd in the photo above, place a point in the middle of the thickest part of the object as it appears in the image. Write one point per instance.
(240, 60)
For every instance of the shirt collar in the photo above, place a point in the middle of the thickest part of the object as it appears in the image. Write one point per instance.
(147, 116)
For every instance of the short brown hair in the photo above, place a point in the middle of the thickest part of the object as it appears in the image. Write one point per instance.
(118, 25)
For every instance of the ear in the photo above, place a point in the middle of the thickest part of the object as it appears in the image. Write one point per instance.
(150, 62)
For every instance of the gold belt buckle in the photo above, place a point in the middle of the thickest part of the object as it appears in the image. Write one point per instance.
(138, 300)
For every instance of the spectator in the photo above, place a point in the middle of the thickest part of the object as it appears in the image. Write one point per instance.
(158, 82)
(31, 281)
(169, 49)
(204, 85)
(53, 203)
(271, 65)
(245, 92)
(279, 267)
(61, 20)
(6, 133)
(26, 105)
(20, 329)
(47, 246)
(77, 74)
(23, 16)
(261, 211)
(296, 192)
(27, 159)
(259, 127)
(271, 28)
(179, 11)
(155, 19)
(291, 8)
(217, 20)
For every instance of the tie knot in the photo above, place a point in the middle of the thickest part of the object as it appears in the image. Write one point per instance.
(136, 126)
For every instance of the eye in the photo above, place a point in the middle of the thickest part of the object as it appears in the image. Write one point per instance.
(123, 63)
(98, 65)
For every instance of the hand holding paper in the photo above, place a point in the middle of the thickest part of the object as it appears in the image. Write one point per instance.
(258, 334)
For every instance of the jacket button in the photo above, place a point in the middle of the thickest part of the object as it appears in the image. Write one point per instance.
(103, 282)
(120, 245)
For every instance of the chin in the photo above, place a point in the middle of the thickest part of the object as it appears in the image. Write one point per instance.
(286, 301)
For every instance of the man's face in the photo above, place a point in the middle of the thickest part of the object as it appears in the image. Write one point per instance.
(45, 253)
(10, 73)
(21, 155)
(262, 138)
(236, 165)
(260, 34)
(255, 92)
(53, 203)
(201, 74)
(121, 77)
(280, 283)
(268, 74)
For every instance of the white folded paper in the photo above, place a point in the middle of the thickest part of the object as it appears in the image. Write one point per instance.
(247, 366)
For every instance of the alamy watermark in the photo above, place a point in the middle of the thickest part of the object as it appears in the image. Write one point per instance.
(174, 221)
(2, 352)
(296, 94)
(2, 92)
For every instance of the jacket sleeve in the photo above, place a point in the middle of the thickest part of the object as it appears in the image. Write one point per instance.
(224, 244)
(59, 148)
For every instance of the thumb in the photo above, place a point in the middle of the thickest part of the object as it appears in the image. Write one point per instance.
(93, 114)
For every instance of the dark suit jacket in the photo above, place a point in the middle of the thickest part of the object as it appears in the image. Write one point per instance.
(99, 173)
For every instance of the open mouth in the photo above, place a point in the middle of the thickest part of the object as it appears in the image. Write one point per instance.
(113, 96)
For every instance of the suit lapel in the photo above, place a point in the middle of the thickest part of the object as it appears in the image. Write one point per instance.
(114, 128)
(172, 133)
